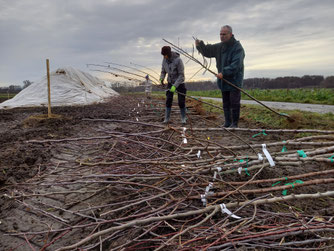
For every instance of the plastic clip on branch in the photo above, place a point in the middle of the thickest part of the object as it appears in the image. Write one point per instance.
(225, 210)
(207, 192)
(260, 156)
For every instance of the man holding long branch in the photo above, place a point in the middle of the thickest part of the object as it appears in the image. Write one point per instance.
(229, 55)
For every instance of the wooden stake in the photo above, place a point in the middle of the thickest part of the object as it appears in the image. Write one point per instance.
(49, 91)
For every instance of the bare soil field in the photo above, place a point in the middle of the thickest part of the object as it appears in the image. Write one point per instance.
(112, 177)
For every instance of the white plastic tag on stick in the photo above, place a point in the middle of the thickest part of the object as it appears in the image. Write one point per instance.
(239, 170)
(203, 199)
(185, 141)
(268, 156)
(218, 169)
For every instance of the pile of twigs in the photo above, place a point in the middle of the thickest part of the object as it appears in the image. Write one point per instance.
(139, 185)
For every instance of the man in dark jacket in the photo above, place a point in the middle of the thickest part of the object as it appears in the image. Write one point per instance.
(173, 66)
(229, 56)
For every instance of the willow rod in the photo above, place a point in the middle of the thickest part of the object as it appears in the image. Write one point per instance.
(119, 75)
(134, 68)
(117, 69)
(139, 222)
(146, 68)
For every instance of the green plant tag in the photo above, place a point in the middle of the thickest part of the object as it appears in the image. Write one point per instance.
(302, 153)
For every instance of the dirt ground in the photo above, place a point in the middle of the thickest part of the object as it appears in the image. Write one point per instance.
(47, 183)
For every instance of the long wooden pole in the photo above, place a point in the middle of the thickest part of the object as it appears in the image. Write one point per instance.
(49, 91)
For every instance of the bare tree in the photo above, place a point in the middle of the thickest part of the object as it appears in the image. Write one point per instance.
(26, 83)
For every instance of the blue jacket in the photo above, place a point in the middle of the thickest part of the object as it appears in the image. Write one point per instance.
(229, 61)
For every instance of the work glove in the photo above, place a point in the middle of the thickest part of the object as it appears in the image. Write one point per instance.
(172, 89)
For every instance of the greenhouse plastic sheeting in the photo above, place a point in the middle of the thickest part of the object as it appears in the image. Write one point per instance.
(68, 87)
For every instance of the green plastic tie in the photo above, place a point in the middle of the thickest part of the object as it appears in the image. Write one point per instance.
(331, 158)
(286, 178)
(246, 171)
(276, 183)
(260, 133)
(302, 153)
(284, 148)
(282, 113)
(292, 184)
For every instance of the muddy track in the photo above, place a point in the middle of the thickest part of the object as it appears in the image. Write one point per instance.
(103, 166)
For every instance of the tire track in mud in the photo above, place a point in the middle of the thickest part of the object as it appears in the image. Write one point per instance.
(55, 193)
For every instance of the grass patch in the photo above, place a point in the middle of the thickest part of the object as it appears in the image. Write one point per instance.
(308, 96)
(264, 118)
(208, 93)
(7, 96)
(302, 120)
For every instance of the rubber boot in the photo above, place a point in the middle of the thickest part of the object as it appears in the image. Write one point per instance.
(183, 115)
(227, 115)
(167, 115)
(235, 117)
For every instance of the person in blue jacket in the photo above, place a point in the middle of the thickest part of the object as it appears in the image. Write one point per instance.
(229, 55)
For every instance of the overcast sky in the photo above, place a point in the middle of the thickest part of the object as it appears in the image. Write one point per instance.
(280, 37)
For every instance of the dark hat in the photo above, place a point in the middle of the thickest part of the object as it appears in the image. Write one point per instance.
(146, 76)
(166, 50)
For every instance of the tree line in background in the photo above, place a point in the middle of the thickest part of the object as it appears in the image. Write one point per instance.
(307, 81)
(15, 88)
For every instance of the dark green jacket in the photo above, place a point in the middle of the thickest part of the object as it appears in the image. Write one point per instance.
(229, 61)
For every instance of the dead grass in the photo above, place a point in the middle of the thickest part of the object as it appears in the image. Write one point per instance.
(36, 120)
